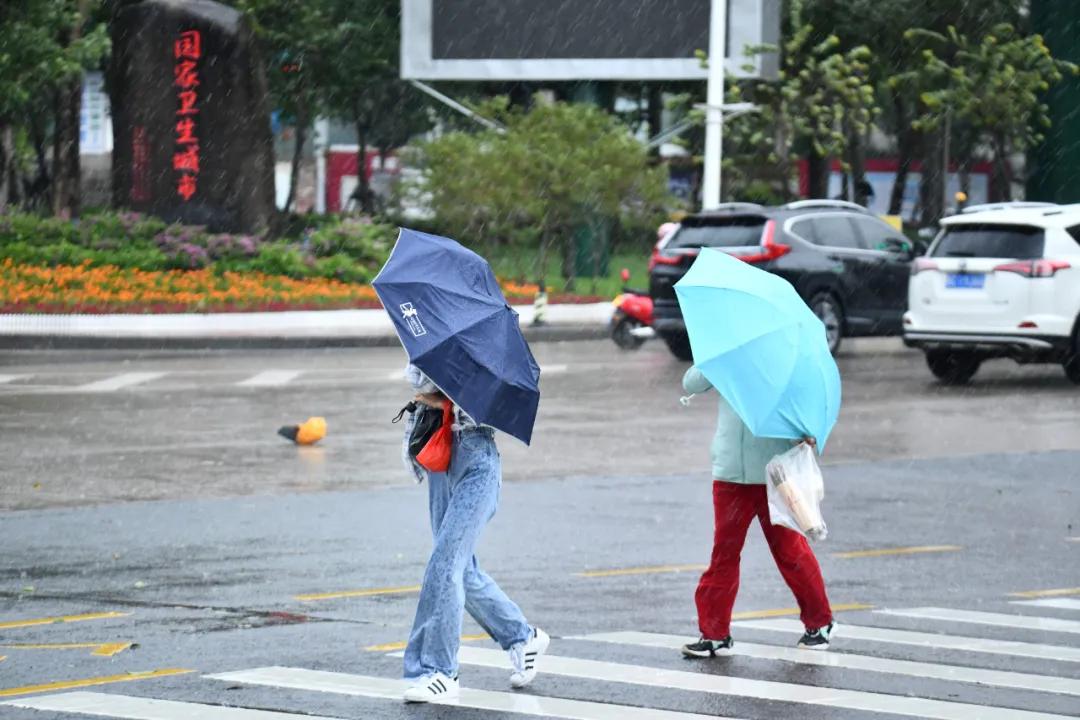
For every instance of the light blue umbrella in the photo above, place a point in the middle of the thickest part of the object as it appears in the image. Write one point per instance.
(761, 347)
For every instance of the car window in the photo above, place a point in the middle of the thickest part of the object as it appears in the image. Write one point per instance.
(835, 231)
(1019, 242)
(805, 230)
(1074, 231)
(741, 231)
(874, 234)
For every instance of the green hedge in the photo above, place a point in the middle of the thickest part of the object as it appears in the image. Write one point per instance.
(351, 250)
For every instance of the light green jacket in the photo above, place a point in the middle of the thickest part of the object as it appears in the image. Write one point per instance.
(737, 456)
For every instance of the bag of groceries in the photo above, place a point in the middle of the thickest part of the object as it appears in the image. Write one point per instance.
(795, 489)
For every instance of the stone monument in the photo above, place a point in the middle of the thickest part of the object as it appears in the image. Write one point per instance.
(191, 122)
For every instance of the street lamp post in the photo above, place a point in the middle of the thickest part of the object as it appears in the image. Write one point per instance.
(714, 99)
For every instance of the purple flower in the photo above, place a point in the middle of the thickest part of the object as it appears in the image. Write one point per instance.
(247, 245)
(196, 256)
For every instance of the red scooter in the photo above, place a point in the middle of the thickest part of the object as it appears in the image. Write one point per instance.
(631, 323)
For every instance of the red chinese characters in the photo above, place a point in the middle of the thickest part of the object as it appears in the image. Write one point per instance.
(187, 51)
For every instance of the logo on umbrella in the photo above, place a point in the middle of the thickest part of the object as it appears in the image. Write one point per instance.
(412, 317)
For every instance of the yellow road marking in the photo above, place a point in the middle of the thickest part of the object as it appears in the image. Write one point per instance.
(1073, 539)
(390, 647)
(358, 593)
(62, 619)
(100, 649)
(87, 682)
(781, 612)
(881, 552)
(641, 570)
(1046, 593)
(3, 658)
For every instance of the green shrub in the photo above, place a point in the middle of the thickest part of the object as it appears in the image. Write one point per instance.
(348, 249)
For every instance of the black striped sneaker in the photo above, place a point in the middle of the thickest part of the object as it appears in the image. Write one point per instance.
(817, 639)
(433, 688)
(524, 656)
(705, 648)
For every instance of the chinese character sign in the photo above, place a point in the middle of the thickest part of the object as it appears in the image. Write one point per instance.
(191, 115)
(187, 51)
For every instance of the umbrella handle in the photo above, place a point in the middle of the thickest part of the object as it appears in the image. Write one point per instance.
(685, 399)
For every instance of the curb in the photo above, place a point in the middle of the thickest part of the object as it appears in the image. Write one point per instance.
(549, 333)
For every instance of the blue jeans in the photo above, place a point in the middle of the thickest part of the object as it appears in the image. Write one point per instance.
(462, 501)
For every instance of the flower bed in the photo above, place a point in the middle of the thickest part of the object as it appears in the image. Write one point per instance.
(91, 289)
(129, 263)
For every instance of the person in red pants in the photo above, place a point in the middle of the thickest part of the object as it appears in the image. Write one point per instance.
(738, 467)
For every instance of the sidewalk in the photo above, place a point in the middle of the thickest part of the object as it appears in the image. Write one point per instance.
(321, 328)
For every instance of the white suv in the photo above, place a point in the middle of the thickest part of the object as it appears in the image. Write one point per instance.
(1004, 282)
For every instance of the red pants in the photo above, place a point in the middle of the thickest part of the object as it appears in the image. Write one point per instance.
(735, 506)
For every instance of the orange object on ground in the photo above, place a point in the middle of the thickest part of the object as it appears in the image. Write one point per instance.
(309, 432)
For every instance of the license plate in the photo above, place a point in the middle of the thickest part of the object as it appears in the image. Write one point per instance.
(965, 281)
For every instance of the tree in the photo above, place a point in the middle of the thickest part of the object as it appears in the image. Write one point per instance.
(821, 103)
(886, 21)
(554, 168)
(360, 79)
(46, 46)
(993, 86)
(298, 41)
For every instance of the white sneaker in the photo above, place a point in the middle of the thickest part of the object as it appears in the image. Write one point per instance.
(523, 657)
(433, 688)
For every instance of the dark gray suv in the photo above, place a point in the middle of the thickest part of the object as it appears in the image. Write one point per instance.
(849, 266)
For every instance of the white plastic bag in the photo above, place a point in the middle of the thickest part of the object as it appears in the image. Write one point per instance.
(795, 489)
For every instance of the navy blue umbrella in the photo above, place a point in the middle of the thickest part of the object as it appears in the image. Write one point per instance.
(457, 327)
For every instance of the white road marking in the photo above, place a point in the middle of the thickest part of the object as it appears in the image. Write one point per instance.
(137, 708)
(986, 618)
(522, 704)
(931, 640)
(117, 382)
(1059, 603)
(12, 378)
(1023, 681)
(271, 378)
(756, 689)
(553, 369)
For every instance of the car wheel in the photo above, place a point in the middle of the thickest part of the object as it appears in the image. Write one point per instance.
(953, 368)
(679, 345)
(623, 334)
(831, 314)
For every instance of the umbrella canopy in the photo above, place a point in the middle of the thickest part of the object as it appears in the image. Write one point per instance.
(761, 347)
(457, 327)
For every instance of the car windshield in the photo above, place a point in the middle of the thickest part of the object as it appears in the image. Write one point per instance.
(718, 232)
(1018, 242)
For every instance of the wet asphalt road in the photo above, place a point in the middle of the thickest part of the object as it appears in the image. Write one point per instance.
(167, 514)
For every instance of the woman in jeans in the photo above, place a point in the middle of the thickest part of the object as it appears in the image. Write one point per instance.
(738, 468)
(461, 500)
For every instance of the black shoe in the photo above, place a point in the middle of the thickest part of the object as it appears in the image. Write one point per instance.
(817, 639)
(704, 648)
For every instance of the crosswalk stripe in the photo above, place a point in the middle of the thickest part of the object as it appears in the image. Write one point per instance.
(117, 382)
(756, 689)
(1025, 622)
(932, 640)
(1023, 681)
(11, 378)
(365, 686)
(138, 708)
(1059, 603)
(271, 378)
